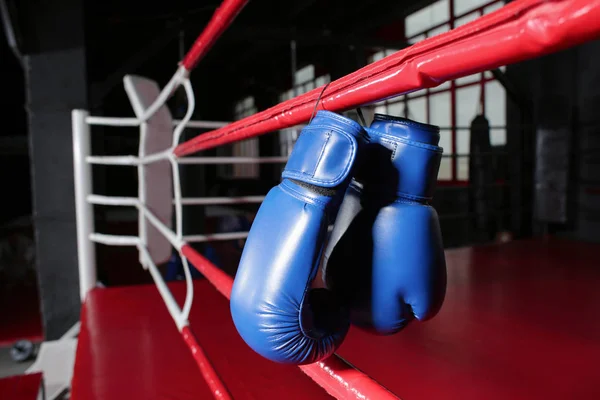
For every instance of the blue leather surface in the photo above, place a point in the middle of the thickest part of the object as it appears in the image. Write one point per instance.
(405, 128)
(272, 305)
(325, 151)
(414, 152)
(385, 257)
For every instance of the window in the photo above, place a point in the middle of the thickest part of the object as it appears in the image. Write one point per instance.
(462, 6)
(451, 105)
(304, 81)
(246, 148)
(427, 17)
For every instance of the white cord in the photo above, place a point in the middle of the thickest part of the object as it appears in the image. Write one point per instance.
(189, 296)
(180, 76)
(175, 238)
(189, 92)
(178, 316)
(177, 197)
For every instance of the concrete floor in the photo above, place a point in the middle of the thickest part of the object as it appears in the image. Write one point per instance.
(8, 367)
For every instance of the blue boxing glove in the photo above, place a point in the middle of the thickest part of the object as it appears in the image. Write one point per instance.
(273, 306)
(385, 257)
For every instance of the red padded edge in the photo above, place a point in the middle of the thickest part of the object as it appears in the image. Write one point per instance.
(21, 387)
(221, 19)
(207, 370)
(519, 31)
(220, 280)
(129, 348)
(520, 321)
(336, 376)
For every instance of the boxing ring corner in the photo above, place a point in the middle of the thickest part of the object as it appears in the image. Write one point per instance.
(505, 36)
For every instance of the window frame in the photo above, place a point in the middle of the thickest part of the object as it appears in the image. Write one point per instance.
(481, 80)
(244, 107)
(288, 136)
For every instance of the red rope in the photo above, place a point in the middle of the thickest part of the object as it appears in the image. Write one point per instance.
(340, 379)
(519, 31)
(217, 387)
(220, 21)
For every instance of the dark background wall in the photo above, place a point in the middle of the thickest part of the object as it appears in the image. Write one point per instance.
(552, 171)
(56, 82)
(560, 147)
(14, 155)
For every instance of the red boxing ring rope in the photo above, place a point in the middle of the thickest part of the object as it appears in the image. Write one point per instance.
(335, 375)
(210, 375)
(222, 18)
(519, 31)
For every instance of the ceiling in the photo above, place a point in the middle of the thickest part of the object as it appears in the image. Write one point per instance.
(255, 49)
(147, 38)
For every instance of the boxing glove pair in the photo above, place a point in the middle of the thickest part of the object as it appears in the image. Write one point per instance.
(384, 262)
(385, 258)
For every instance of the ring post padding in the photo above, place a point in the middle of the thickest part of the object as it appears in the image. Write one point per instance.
(155, 179)
(84, 211)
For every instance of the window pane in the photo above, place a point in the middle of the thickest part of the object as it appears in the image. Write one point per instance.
(445, 85)
(417, 109)
(466, 19)
(416, 39)
(287, 138)
(462, 168)
(488, 74)
(468, 79)
(440, 30)
(467, 104)
(246, 148)
(420, 92)
(377, 56)
(439, 109)
(495, 104)
(463, 137)
(462, 6)
(245, 108)
(446, 141)
(396, 109)
(304, 75)
(322, 80)
(445, 169)
(498, 137)
(493, 7)
(381, 109)
(309, 86)
(426, 18)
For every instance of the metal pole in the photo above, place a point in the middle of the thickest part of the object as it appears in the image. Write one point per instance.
(454, 166)
(86, 252)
